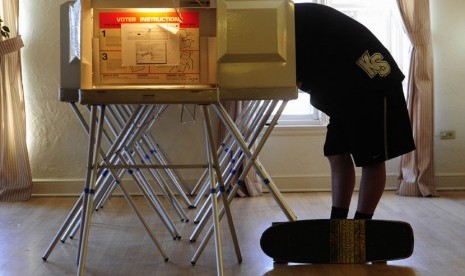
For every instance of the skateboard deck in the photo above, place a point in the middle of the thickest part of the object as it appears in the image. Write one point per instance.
(338, 241)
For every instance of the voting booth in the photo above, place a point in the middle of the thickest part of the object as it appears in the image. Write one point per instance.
(129, 59)
(236, 50)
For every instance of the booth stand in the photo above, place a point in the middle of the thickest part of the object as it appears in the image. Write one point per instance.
(132, 59)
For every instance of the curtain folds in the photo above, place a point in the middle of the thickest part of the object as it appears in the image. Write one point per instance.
(416, 176)
(15, 172)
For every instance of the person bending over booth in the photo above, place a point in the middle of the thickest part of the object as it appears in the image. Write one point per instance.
(352, 78)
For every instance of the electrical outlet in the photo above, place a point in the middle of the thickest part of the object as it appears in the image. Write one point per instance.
(447, 134)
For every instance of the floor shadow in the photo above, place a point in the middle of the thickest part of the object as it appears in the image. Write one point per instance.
(340, 269)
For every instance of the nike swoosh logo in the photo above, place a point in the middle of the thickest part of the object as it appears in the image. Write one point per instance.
(377, 156)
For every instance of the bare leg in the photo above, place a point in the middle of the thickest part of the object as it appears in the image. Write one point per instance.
(342, 179)
(372, 186)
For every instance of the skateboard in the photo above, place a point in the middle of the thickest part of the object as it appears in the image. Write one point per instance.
(341, 241)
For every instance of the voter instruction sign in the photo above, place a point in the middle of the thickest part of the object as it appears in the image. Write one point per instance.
(148, 48)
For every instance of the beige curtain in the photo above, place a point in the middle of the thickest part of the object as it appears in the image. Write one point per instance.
(253, 186)
(416, 176)
(15, 172)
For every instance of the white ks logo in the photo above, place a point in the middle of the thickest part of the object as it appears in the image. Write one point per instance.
(374, 64)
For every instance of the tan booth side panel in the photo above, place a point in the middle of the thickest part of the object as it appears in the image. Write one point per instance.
(256, 50)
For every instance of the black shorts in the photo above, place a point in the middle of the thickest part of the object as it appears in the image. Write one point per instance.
(371, 127)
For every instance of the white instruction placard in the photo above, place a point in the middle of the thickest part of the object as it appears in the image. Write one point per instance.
(146, 44)
(148, 48)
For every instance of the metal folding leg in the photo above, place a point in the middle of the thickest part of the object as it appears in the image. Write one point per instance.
(214, 170)
(228, 146)
(251, 135)
(83, 206)
(230, 164)
(125, 158)
(92, 158)
(106, 190)
(251, 162)
(94, 147)
(156, 151)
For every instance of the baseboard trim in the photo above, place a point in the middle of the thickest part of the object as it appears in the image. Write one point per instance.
(443, 182)
(317, 183)
(74, 187)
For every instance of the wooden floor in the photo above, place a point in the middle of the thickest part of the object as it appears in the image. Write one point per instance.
(119, 245)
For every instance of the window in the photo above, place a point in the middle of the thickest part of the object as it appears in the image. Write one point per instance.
(301, 112)
(383, 19)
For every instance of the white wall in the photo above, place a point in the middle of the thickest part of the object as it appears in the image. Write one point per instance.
(293, 157)
(448, 24)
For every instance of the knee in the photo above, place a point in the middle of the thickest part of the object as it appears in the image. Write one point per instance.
(340, 159)
(375, 167)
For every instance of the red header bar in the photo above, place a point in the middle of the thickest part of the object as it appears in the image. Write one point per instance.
(114, 20)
